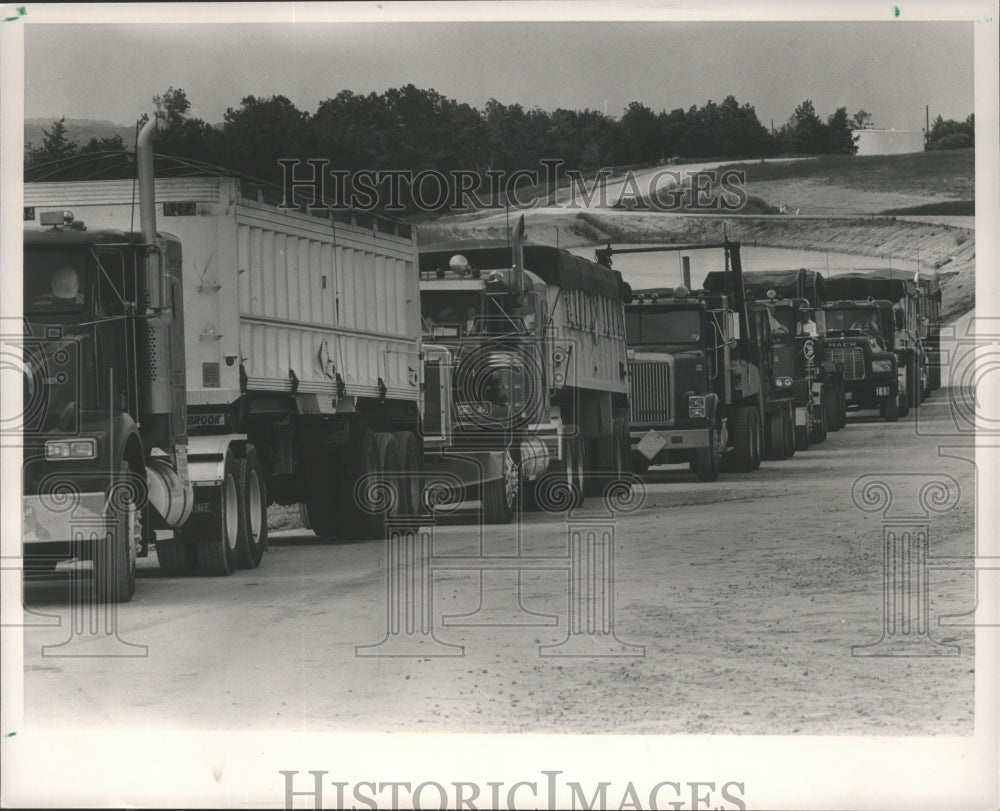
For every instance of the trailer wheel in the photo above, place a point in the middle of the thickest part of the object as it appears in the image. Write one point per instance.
(818, 430)
(706, 460)
(889, 409)
(374, 453)
(253, 513)
(217, 551)
(746, 439)
(177, 557)
(499, 496)
(114, 554)
(411, 479)
(321, 516)
(913, 382)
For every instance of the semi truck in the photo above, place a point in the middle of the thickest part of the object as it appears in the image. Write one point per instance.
(909, 325)
(536, 365)
(182, 380)
(697, 393)
(799, 349)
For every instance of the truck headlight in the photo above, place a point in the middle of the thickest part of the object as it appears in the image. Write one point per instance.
(71, 449)
(881, 365)
(783, 382)
(696, 406)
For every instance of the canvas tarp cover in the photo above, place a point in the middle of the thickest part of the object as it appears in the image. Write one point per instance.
(554, 265)
(859, 286)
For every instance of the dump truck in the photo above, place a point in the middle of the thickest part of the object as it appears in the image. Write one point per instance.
(537, 370)
(799, 352)
(697, 393)
(861, 335)
(909, 324)
(184, 380)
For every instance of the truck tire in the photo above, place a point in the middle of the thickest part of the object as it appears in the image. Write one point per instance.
(252, 540)
(177, 557)
(913, 382)
(321, 516)
(746, 439)
(817, 433)
(788, 425)
(775, 436)
(499, 496)
(831, 400)
(889, 409)
(904, 395)
(411, 479)
(217, 548)
(706, 460)
(605, 462)
(304, 515)
(114, 555)
(366, 473)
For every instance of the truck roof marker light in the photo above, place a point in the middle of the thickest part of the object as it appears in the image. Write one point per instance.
(772, 293)
(641, 297)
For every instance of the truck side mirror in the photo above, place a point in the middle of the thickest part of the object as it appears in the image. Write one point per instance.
(899, 319)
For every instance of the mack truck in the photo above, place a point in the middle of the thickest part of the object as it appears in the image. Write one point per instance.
(861, 335)
(178, 382)
(537, 370)
(792, 297)
(698, 394)
(909, 325)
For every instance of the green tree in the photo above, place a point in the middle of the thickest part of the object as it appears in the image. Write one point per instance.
(55, 146)
(840, 139)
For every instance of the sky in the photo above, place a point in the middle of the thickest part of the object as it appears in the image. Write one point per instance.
(891, 69)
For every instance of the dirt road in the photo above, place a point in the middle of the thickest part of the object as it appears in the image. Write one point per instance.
(746, 597)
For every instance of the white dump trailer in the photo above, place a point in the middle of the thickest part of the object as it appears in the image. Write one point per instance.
(301, 368)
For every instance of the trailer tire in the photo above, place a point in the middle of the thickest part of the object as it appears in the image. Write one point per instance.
(746, 439)
(177, 557)
(217, 553)
(411, 475)
(114, 554)
(499, 496)
(913, 382)
(320, 516)
(370, 455)
(252, 541)
(606, 466)
(802, 437)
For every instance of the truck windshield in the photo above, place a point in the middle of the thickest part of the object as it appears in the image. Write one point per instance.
(785, 318)
(664, 327)
(856, 319)
(54, 281)
(450, 309)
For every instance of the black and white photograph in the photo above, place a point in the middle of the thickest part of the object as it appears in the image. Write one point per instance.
(500, 405)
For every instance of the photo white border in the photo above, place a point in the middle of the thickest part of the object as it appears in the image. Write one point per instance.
(227, 769)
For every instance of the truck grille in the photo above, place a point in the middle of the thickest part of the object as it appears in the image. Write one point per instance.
(852, 358)
(651, 392)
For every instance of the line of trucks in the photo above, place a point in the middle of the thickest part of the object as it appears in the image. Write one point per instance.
(179, 381)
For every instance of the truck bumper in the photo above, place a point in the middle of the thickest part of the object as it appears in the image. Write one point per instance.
(653, 443)
(47, 518)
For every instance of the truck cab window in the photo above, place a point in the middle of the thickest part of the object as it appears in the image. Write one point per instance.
(113, 284)
(54, 281)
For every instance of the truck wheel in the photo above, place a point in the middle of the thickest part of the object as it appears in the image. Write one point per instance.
(177, 558)
(370, 456)
(114, 554)
(499, 496)
(831, 402)
(775, 437)
(746, 439)
(818, 428)
(904, 394)
(889, 409)
(758, 436)
(913, 382)
(788, 426)
(321, 516)
(410, 479)
(253, 513)
(606, 464)
(217, 551)
(304, 515)
(706, 460)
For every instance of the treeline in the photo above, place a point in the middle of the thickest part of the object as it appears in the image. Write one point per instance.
(952, 134)
(409, 128)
